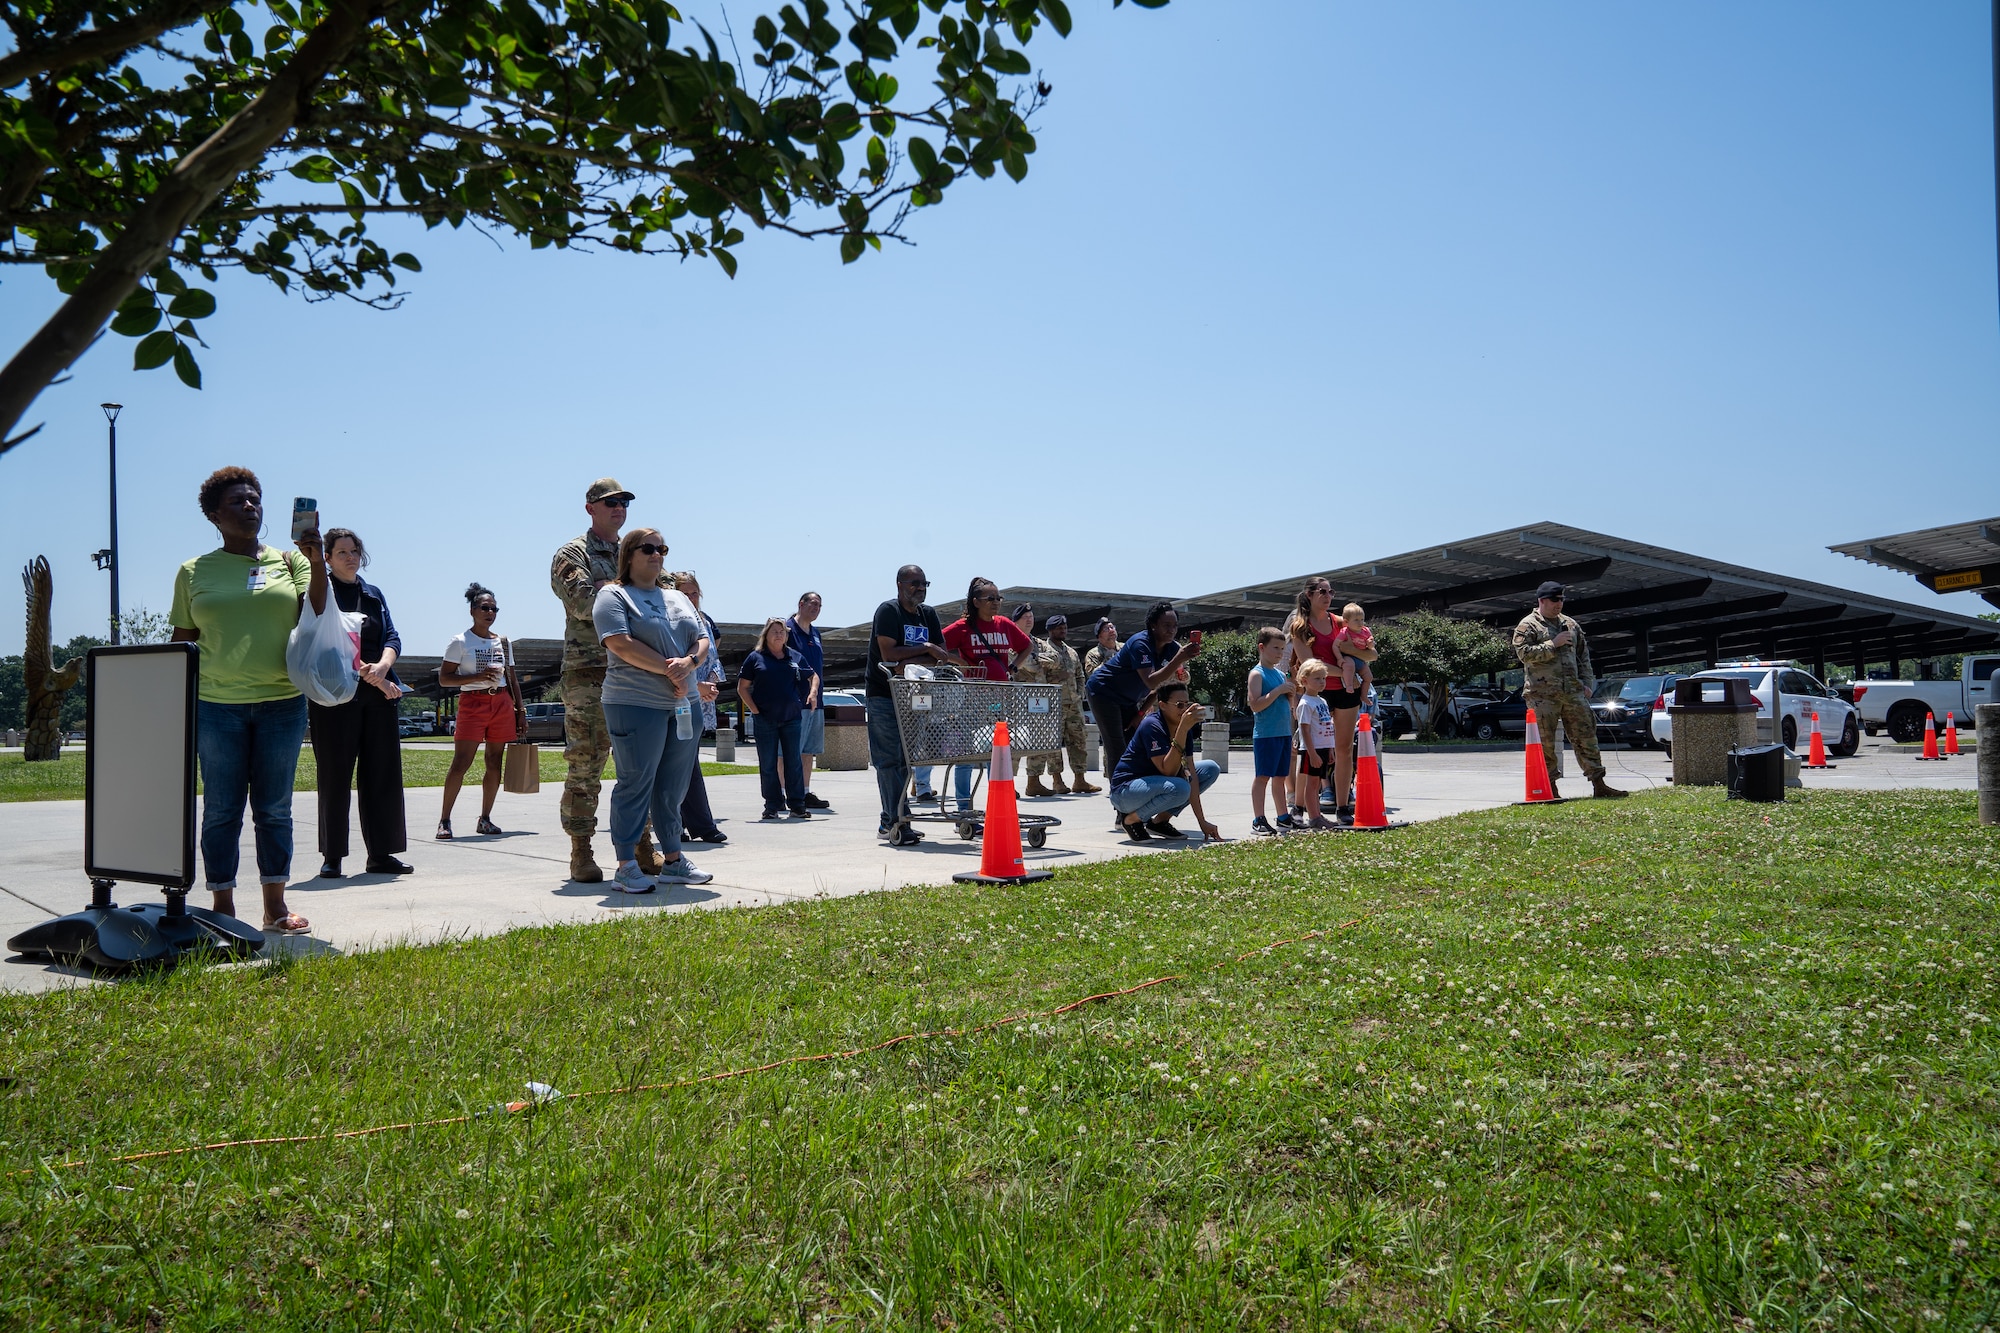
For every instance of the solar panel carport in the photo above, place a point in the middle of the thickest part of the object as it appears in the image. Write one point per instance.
(1959, 557)
(1640, 604)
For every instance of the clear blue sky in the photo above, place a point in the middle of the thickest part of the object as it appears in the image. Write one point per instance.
(1289, 285)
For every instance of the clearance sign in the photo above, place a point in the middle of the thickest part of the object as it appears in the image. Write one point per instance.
(1964, 578)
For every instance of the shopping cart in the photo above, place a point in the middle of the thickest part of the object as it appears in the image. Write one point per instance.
(948, 719)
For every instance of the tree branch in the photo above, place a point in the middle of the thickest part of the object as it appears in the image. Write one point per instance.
(196, 181)
(113, 39)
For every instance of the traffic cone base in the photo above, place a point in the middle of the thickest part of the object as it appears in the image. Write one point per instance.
(1541, 791)
(1930, 740)
(1000, 847)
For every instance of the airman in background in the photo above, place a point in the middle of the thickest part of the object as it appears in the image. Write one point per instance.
(1056, 663)
(1556, 657)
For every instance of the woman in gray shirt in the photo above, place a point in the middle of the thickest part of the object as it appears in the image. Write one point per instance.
(654, 639)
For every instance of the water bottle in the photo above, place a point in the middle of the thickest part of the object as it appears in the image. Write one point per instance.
(683, 719)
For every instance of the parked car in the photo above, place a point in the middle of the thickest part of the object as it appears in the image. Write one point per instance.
(1411, 701)
(1899, 706)
(545, 723)
(1839, 721)
(1491, 719)
(415, 726)
(1624, 708)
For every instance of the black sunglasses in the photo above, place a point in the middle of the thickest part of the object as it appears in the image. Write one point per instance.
(650, 549)
(616, 504)
(486, 606)
(984, 600)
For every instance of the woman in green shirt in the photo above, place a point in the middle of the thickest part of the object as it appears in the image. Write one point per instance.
(240, 603)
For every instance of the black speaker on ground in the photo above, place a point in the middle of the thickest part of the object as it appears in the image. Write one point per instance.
(1757, 773)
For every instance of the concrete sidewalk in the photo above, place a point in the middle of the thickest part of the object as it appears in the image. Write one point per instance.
(483, 885)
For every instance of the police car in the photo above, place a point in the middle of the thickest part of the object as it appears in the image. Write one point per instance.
(1839, 721)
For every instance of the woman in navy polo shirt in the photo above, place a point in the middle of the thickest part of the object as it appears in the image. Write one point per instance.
(1155, 780)
(1118, 690)
(770, 684)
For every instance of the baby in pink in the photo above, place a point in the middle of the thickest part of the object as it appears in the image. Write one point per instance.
(1355, 674)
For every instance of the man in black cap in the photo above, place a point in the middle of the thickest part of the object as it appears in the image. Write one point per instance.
(579, 569)
(1556, 659)
(1058, 664)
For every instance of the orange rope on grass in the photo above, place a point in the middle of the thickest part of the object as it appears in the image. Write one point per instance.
(512, 1108)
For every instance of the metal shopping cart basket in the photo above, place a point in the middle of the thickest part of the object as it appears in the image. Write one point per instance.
(948, 719)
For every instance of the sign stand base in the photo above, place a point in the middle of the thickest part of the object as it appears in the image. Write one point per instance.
(111, 938)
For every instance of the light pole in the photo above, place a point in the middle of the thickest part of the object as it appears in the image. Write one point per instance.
(111, 411)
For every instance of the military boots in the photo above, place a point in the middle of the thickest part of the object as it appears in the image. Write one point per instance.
(582, 865)
(647, 855)
(1035, 787)
(1599, 787)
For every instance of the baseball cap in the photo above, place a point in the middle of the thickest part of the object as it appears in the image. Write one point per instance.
(607, 488)
(1550, 589)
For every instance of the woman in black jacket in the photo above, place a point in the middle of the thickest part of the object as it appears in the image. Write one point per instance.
(358, 741)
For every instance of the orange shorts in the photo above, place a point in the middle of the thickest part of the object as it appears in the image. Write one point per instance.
(486, 716)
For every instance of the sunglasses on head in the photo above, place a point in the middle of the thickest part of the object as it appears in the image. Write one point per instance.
(650, 549)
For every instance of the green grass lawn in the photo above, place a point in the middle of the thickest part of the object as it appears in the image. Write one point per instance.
(62, 780)
(1671, 1062)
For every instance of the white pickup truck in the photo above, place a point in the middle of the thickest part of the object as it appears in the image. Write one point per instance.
(1900, 706)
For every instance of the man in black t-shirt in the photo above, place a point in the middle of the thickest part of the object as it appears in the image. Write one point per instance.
(904, 630)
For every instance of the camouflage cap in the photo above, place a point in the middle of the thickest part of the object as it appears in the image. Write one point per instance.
(606, 488)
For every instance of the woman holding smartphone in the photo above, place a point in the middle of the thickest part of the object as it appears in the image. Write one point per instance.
(240, 602)
(480, 666)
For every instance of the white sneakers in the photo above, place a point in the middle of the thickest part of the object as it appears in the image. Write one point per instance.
(682, 872)
(631, 879)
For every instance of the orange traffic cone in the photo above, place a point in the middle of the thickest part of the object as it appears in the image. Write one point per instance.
(1000, 850)
(1950, 734)
(1540, 790)
(1370, 814)
(1816, 752)
(1930, 739)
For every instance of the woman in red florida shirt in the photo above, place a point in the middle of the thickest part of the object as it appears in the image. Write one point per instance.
(985, 638)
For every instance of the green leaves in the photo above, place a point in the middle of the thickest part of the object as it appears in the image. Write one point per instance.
(586, 122)
(155, 350)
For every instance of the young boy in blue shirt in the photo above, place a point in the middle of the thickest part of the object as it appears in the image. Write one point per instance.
(1271, 740)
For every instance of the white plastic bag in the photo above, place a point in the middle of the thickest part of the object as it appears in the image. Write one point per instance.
(323, 657)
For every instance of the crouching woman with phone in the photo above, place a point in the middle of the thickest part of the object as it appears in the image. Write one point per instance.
(1155, 780)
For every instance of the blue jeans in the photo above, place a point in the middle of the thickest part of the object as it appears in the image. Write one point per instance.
(653, 770)
(961, 780)
(1152, 797)
(248, 750)
(885, 752)
(778, 757)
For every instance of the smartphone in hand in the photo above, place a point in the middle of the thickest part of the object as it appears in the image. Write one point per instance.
(1194, 637)
(305, 516)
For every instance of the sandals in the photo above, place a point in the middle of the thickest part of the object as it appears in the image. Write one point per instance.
(291, 923)
(487, 827)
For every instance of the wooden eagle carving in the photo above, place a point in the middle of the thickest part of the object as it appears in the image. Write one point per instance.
(46, 685)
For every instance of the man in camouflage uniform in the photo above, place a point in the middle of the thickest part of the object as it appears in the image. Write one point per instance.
(1054, 662)
(1107, 645)
(1556, 658)
(579, 569)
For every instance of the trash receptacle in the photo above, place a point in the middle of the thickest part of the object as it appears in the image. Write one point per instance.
(1711, 716)
(1757, 773)
(846, 738)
